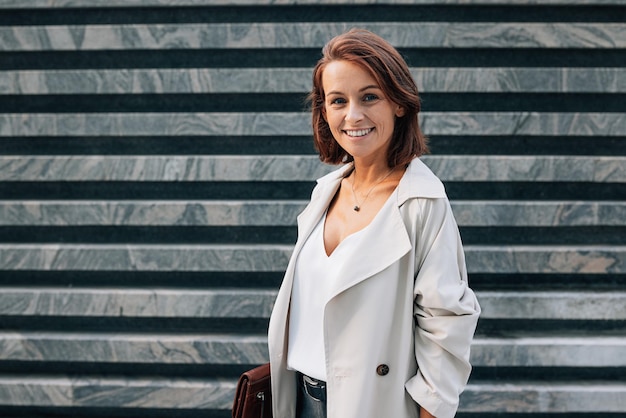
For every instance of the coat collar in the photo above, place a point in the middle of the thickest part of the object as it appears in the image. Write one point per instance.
(387, 240)
(417, 181)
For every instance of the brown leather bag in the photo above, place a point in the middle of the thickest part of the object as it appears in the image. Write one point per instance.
(253, 398)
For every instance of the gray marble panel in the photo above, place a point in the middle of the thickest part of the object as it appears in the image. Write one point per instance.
(137, 303)
(223, 349)
(522, 80)
(9, 4)
(284, 213)
(115, 257)
(163, 168)
(610, 306)
(127, 348)
(153, 124)
(256, 303)
(298, 124)
(119, 257)
(527, 168)
(310, 35)
(541, 213)
(116, 392)
(218, 213)
(523, 123)
(300, 168)
(546, 259)
(588, 351)
(135, 81)
(298, 80)
(535, 397)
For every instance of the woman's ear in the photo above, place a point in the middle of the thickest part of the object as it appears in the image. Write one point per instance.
(400, 111)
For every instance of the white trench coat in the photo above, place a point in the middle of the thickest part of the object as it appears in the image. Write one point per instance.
(398, 329)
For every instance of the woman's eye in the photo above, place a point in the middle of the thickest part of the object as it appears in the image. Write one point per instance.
(337, 101)
(370, 97)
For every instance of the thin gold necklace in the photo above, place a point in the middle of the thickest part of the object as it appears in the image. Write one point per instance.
(358, 205)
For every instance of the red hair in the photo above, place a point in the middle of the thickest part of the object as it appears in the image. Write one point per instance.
(391, 72)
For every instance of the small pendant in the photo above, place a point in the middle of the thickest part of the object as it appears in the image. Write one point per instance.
(357, 208)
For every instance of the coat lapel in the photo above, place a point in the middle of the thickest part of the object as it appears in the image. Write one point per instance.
(379, 245)
(383, 242)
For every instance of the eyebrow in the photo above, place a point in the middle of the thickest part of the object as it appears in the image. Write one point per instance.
(371, 86)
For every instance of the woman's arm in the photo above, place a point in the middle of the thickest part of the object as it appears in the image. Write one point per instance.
(425, 414)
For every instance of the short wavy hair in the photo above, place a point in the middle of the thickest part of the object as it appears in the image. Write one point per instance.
(380, 59)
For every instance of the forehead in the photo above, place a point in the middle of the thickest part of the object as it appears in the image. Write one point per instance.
(345, 75)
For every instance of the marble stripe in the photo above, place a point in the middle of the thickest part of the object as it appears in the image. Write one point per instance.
(257, 303)
(121, 257)
(536, 397)
(298, 124)
(300, 168)
(588, 351)
(163, 168)
(229, 349)
(284, 213)
(187, 213)
(584, 305)
(310, 35)
(47, 4)
(545, 259)
(137, 303)
(298, 80)
(128, 348)
(562, 213)
(242, 258)
(116, 392)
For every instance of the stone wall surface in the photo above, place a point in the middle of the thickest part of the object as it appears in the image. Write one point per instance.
(154, 156)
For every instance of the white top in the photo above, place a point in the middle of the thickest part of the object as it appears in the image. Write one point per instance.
(314, 283)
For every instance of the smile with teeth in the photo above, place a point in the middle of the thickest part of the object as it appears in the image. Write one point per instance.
(358, 132)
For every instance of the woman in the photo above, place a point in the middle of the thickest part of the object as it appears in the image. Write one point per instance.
(374, 318)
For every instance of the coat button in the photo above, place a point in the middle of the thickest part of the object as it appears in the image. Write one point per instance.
(382, 370)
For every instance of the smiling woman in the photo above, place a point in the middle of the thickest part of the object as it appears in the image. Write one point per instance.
(374, 317)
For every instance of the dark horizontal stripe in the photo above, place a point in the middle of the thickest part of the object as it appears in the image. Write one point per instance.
(303, 145)
(547, 282)
(105, 369)
(296, 102)
(314, 13)
(529, 235)
(196, 234)
(565, 374)
(306, 58)
(156, 190)
(162, 145)
(206, 102)
(141, 279)
(493, 235)
(205, 280)
(108, 369)
(527, 145)
(134, 190)
(27, 411)
(515, 328)
(535, 191)
(136, 325)
(540, 414)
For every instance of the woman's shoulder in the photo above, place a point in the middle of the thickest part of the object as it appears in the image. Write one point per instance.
(420, 182)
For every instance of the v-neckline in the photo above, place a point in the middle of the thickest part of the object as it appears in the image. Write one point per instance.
(355, 233)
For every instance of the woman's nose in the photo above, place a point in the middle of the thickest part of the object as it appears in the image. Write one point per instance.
(354, 113)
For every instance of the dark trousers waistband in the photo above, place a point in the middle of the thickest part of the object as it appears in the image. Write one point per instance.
(313, 387)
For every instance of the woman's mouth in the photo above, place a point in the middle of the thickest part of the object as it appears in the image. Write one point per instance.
(355, 133)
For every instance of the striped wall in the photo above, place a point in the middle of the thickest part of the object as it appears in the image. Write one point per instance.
(155, 154)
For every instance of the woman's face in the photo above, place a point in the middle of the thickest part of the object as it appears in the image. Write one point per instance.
(359, 115)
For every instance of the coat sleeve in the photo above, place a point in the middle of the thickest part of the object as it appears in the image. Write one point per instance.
(445, 309)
